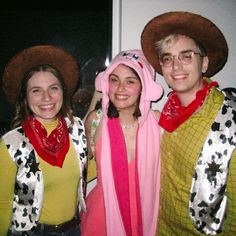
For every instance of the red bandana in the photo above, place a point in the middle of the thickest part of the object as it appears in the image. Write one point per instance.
(174, 114)
(52, 148)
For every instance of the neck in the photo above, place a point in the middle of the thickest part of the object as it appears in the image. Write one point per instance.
(187, 97)
(128, 126)
(127, 121)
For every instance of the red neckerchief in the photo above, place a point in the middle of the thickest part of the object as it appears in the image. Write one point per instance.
(174, 114)
(52, 148)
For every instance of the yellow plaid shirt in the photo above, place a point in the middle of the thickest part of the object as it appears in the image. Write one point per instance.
(180, 151)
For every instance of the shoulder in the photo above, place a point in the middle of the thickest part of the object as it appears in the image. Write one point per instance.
(16, 140)
(77, 121)
(75, 128)
(16, 133)
(230, 93)
(230, 97)
(91, 116)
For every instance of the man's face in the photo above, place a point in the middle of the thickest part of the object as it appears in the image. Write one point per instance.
(185, 79)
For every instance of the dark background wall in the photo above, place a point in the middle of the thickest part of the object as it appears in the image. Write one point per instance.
(83, 31)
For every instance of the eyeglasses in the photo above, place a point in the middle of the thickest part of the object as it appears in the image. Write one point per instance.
(184, 57)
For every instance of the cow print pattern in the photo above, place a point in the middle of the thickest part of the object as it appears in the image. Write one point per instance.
(207, 205)
(28, 193)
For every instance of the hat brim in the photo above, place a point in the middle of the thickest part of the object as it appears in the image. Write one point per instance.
(189, 24)
(38, 55)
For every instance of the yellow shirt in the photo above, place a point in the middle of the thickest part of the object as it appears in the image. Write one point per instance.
(60, 187)
(180, 151)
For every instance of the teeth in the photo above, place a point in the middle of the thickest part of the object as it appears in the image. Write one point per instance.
(121, 97)
(178, 76)
(47, 106)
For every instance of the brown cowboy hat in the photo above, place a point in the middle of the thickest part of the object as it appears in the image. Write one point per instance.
(37, 55)
(189, 24)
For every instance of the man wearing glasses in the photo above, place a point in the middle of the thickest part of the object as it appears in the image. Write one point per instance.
(198, 163)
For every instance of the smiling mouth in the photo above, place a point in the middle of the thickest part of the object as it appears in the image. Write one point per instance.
(179, 77)
(121, 97)
(47, 107)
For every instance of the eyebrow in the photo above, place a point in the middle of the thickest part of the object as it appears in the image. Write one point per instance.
(37, 87)
(187, 50)
(128, 77)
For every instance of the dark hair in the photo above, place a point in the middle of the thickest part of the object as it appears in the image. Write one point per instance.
(98, 104)
(112, 111)
(4, 128)
(22, 110)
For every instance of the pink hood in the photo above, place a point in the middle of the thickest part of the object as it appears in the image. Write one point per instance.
(151, 90)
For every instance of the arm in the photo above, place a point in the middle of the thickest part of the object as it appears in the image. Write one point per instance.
(91, 124)
(7, 182)
(88, 125)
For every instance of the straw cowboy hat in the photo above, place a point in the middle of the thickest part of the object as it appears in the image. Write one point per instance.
(189, 24)
(38, 55)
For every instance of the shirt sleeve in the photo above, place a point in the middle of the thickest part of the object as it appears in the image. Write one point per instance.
(7, 182)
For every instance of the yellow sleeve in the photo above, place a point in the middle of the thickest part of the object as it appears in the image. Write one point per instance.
(7, 182)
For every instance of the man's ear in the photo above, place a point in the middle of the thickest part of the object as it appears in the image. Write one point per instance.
(205, 63)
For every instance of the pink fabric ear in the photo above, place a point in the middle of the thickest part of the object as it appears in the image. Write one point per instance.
(152, 90)
(156, 91)
(101, 85)
(99, 82)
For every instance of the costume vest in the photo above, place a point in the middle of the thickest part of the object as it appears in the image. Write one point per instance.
(208, 199)
(29, 185)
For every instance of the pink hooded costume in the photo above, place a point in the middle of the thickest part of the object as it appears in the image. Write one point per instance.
(112, 209)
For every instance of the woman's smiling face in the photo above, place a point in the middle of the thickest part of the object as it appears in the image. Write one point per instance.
(124, 88)
(44, 96)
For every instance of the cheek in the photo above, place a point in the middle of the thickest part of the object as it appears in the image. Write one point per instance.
(31, 100)
(32, 105)
(111, 88)
(56, 96)
(59, 96)
(166, 72)
(135, 91)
